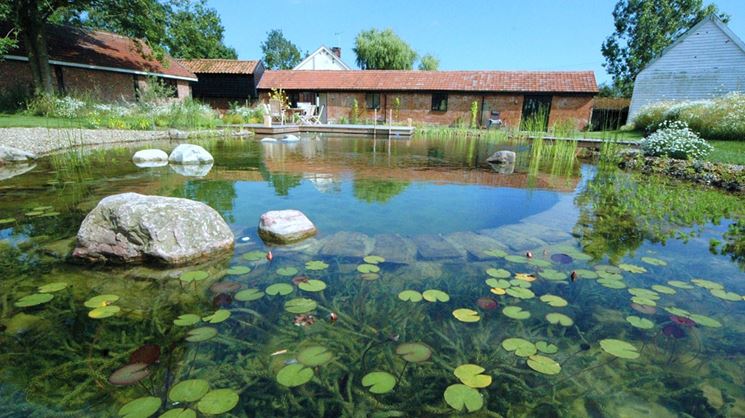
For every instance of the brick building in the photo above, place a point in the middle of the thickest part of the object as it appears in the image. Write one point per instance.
(104, 65)
(440, 97)
(222, 82)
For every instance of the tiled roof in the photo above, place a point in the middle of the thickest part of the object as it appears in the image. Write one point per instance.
(81, 47)
(220, 66)
(466, 81)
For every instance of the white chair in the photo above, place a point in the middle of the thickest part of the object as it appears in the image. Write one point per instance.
(275, 111)
(306, 118)
(315, 118)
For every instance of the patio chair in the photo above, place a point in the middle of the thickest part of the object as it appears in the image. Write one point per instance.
(494, 120)
(309, 111)
(276, 111)
(315, 118)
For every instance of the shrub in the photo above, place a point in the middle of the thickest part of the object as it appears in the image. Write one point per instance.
(675, 140)
(244, 114)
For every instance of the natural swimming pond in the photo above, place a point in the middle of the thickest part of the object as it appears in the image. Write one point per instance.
(434, 284)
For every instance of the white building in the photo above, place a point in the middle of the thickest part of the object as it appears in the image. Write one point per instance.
(706, 61)
(324, 58)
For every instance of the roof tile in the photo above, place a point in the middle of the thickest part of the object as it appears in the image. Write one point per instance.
(220, 66)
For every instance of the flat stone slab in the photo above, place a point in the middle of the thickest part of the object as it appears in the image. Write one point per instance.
(8, 171)
(538, 231)
(14, 155)
(285, 226)
(515, 239)
(475, 244)
(395, 248)
(435, 247)
(347, 244)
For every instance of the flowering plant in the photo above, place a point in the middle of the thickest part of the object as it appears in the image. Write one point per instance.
(674, 139)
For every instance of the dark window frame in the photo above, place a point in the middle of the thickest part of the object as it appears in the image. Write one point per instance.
(438, 99)
(372, 101)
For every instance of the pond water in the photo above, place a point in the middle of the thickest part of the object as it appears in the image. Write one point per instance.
(572, 289)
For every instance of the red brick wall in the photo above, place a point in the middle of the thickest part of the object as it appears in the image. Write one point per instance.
(102, 85)
(575, 108)
(15, 74)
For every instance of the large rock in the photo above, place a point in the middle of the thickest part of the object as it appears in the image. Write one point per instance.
(502, 157)
(285, 226)
(435, 247)
(192, 170)
(395, 248)
(190, 154)
(150, 158)
(9, 171)
(14, 155)
(131, 227)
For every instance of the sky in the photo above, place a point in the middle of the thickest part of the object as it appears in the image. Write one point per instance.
(465, 35)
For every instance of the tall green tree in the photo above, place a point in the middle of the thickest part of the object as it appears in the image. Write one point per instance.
(383, 50)
(429, 62)
(279, 52)
(643, 28)
(196, 31)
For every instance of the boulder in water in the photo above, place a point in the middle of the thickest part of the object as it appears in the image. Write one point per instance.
(285, 226)
(190, 154)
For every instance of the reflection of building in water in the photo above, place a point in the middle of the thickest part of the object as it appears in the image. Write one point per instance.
(324, 183)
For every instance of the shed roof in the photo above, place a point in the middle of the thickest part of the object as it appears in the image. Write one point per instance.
(467, 81)
(220, 66)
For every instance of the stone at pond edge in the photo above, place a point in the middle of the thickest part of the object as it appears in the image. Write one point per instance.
(131, 227)
(150, 157)
(502, 157)
(190, 154)
(13, 155)
(285, 226)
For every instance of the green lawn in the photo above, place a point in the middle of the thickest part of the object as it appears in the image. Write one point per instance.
(732, 152)
(27, 121)
(623, 135)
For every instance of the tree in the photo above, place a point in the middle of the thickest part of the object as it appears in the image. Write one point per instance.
(279, 53)
(429, 62)
(383, 50)
(195, 31)
(643, 28)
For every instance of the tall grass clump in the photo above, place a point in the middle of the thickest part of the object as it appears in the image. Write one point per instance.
(240, 113)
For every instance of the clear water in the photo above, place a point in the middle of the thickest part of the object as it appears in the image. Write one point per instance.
(447, 213)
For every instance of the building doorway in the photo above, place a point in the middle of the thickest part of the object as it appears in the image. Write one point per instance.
(536, 110)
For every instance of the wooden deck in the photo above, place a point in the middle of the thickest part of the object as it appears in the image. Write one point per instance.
(366, 130)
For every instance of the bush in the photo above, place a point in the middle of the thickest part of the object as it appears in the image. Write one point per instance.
(244, 114)
(675, 140)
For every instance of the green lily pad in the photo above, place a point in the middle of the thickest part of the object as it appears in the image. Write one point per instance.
(254, 256)
(140, 407)
(470, 375)
(410, 296)
(520, 292)
(218, 401)
(287, 271)
(539, 263)
(612, 284)
(312, 285)
(554, 275)
(677, 311)
(515, 312)
(104, 312)
(631, 268)
(466, 315)
(644, 293)
(414, 352)
(129, 374)
(559, 319)
(725, 295)
(294, 375)
(520, 283)
(663, 289)
(100, 300)
(619, 348)
(374, 259)
(434, 295)
(314, 356)
(546, 347)
(52, 287)
(707, 284)
(586, 274)
(498, 273)
(368, 268)
(33, 300)
(217, 317)
(179, 413)
(379, 382)
(553, 300)
(190, 390)
(281, 289)
(186, 320)
(193, 276)
(460, 396)
(610, 275)
(495, 253)
(300, 305)
(238, 270)
(500, 283)
(521, 347)
(518, 259)
(705, 321)
(643, 301)
(638, 322)
(654, 261)
(248, 295)
(607, 268)
(316, 265)
(680, 284)
(201, 334)
(543, 364)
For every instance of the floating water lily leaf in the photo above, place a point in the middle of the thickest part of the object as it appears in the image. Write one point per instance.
(526, 277)
(539, 263)
(515, 312)
(314, 356)
(193, 276)
(52, 287)
(520, 293)
(247, 295)
(648, 310)
(281, 289)
(461, 396)
(33, 300)
(148, 354)
(561, 258)
(379, 382)
(179, 413)
(294, 375)
(495, 253)
(519, 259)
(498, 273)
(707, 284)
(186, 320)
(543, 364)
(129, 374)
(368, 268)
(586, 274)
(723, 294)
(466, 315)
(619, 348)
(554, 275)
(644, 293)
(560, 319)
(312, 285)
(100, 300)
(254, 256)
(434, 295)
(287, 271)
(612, 284)
(140, 407)
(663, 289)
(300, 305)
(678, 312)
(643, 301)
(680, 284)
(498, 291)
(553, 300)
(238, 270)
(316, 265)
(520, 283)
(631, 268)
(486, 303)
(374, 259)
(654, 261)
(546, 347)
(369, 276)
(705, 321)
(610, 275)
(104, 312)
(519, 346)
(470, 375)
(607, 268)
(190, 390)
(410, 296)
(501, 283)
(638, 322)
(217, 317)
(201, 334)
(218, 401)
(414, 352)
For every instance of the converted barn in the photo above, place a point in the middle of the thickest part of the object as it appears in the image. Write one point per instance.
(222, 81)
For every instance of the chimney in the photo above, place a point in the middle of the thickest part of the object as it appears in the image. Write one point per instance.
(337, 51)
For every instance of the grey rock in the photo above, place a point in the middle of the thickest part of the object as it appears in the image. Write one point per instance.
(14, 155)
(268, 139)
(507, 168)
(516, 239)
(502, 157)
(285, 226)
(475, 244)
(190, 154)
(12, 170)
(347, 244)
(176, 134)
(131, 227)
(395, 248)
(434, 247)
(150, 156)
(192, 170)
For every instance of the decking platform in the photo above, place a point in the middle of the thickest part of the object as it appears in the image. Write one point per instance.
(366, 130)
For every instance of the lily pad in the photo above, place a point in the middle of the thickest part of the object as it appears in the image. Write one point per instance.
(316, 265)
(632, 268)
(374, 259)
(619, 348)
(521, 347)
(526, 277)
(586, 274)
(546, 347)
(470, 375)
(179, 413)
(254, 256)
(140, 407)
(539, 263)
(553, 300)
(680, 284)
(561, 258)
(281, 289)
(190, 390)
(520, 283)
(104, 312)
(495, 253)
(201, 334)
(147, 353)
(410, 296)
(559, 319)
(379, 382)
(518, 259)
(52, 287)
(554, 275)
(520, 293)
(725, 295)
(644, 293)
(434, 295)
(663, 289)
(460, 396)
(218, 401)
(515, 312)
(543, 364)
(100, 300)
(466, 315)
(300, 305)
(238, 270)
(217, 317)
(612, 283)
(312, 285)
(294, 375)
(500, 283)
(641, 323)
(248, 295)
(643, 301)
(414, 352)
(193, 276)
(186, 320)
(498, 273)
(654, 261)
(314, 356)
(705, 321)
(607, 275)
(368, 268)
(486, 303)
(129, 374)
(369, 276)
(287, 271)
(678, 312)
(707, 284)
(33, 300)
(498, 291)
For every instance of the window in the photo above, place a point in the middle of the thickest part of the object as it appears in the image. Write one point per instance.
(439, 102)
(372, 100)
(172, 85)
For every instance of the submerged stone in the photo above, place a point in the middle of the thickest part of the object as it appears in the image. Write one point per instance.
(434, 247)
(475, 244)
(516, 238)
(502, 157)
(285, 226)
(14, 155)
(395, 248)
(347, 244)
(9, 171)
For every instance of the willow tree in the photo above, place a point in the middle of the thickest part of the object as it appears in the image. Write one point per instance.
(383, 50)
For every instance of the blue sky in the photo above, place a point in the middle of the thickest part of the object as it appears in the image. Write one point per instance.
(464, 35)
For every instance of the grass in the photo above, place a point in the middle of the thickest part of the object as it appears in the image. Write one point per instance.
(731, 152)
(28, 121)
(622, 135)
